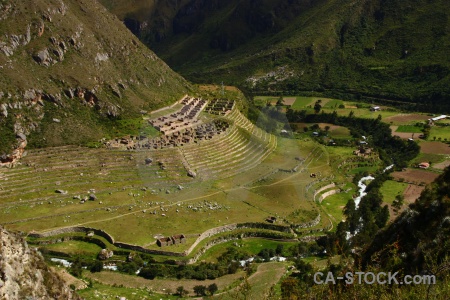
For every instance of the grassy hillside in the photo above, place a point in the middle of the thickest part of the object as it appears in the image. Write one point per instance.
(387, 49)
(70, 69)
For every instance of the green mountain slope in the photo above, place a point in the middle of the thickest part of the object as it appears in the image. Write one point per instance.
(417, 241)
(70, 70)
(394, 49)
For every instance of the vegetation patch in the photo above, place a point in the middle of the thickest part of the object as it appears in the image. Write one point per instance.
(391, 189)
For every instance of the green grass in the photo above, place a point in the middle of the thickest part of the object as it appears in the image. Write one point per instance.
(409, 128)
(334, 104)
(303, 102)
(442, 132)
(429, 157)
(263, 100)
(334, 205)
(390, 189)
(76, 248)
(108, 292)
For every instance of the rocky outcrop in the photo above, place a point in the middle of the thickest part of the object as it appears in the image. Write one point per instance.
(10, 160)
(24, 274)
(54, 60)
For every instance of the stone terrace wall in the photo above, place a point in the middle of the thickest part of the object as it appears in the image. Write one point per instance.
(329, 193)
(329, 186)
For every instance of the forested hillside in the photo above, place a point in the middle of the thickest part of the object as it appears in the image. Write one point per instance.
(384, 49)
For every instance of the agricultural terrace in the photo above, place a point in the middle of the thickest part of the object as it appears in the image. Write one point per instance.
(242, 176)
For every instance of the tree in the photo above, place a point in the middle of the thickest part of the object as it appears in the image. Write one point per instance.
(327, 128)
(181, 291)
(398, 203)
(200, 290)
(279, 249)
(76, 269)
(97, 266)
(280, 101)
(317, 107)
(212, 288)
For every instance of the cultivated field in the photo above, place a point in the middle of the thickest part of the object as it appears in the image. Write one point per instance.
(415, 176)
(435, 148)
(402, 118)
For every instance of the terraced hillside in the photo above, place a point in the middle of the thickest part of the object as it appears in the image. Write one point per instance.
(244, 147)
(240, 173)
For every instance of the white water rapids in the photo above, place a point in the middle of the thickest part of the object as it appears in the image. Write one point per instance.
(362, 192)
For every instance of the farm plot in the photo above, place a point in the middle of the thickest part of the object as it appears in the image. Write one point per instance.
(434, 148)
(415, 176)
(390, 189)
(289, 101)
(409, 128)
(304, 102)
(440, 133)
(442, 165)
(402, 134)
(403, 119)
(412, 192)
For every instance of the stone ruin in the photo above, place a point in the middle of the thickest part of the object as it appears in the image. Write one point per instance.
(172, 240)
(220, 107)
(180, 138)
(181, 127)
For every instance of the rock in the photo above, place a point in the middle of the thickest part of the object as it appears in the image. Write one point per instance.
(63, 46)
(105, 254)
(180, 187)
(92, 197)
(101, 57)
(56, 120)
(59, 53)
(42, 57)
(70, 93)
(167, 192)
(148, 160)
(22, 136)
(192, 174)
(4, 110)
(61, 192)
(77, 197)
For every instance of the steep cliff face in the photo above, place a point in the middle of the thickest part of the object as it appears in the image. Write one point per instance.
(24, 274)
(67, 67)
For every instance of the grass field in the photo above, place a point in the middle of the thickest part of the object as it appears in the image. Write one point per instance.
(440, 133)
(76, 248)
(263, 100)
(390, 189)
(334, 204)
(115, 291)
(303, 102)
(334, 104)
